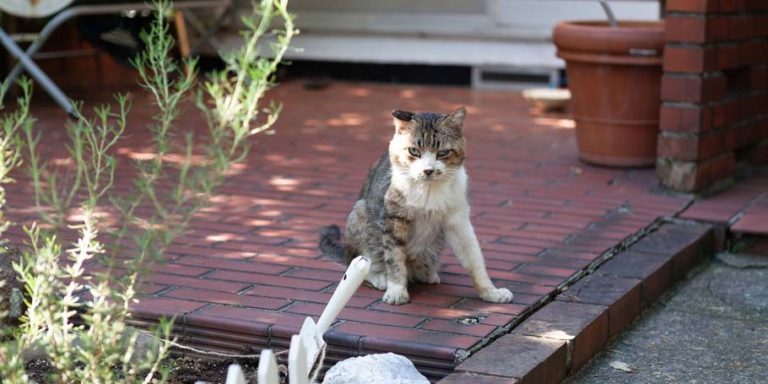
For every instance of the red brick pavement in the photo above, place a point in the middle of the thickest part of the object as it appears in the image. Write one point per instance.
(744, 206)
(753, 219)
(248, 271)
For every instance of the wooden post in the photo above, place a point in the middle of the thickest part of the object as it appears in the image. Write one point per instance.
(182, 37)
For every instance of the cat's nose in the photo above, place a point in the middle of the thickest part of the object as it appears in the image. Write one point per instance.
(429, 171)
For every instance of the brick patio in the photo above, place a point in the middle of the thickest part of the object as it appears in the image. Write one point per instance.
(248, 272)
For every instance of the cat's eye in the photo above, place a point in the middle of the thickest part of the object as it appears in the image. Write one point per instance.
(443, 153)
(414, 152)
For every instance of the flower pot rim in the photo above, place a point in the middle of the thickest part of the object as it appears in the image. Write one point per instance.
(623, 25)
(634, 40)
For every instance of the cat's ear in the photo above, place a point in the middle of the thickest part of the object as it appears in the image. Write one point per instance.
(402, 119)
(455, 119)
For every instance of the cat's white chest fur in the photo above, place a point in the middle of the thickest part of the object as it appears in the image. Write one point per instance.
(428, 206)
(425, 229)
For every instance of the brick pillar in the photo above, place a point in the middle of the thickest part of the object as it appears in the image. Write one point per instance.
(714, 91)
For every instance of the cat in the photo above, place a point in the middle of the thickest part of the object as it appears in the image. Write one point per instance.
(412, 203)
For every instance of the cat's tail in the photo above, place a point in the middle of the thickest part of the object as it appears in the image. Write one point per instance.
(331, 245)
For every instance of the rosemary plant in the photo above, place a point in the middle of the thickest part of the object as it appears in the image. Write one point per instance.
(79, 320)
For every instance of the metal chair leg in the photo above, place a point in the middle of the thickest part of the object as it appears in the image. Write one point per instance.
(25, 61)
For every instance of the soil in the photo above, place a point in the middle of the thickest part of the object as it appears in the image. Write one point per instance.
(188, 370)
(39, 371)
(184, 370)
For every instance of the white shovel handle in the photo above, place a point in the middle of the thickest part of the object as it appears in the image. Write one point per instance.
(356, 273)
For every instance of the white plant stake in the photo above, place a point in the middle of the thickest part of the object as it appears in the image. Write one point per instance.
(308, 345)
(299, 363)
(235, 374)
(268, 372)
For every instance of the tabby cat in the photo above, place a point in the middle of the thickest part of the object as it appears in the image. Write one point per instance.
(413, 202)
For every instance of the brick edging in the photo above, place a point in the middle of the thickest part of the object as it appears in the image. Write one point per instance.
(564, 334)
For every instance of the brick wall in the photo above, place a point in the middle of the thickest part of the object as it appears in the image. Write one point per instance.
(714, 91)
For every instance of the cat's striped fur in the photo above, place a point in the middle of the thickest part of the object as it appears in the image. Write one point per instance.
(414, 201)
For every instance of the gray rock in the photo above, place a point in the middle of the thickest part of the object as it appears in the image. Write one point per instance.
(16, 303)
(384, 368)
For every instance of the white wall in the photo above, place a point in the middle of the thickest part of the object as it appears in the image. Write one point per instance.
(466, 18)
(513, 33)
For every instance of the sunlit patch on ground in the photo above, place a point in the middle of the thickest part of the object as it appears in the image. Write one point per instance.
(555, 123)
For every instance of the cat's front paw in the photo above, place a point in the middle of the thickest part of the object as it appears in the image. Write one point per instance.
(396, 295)
(427, 277)
(377, 280)
(497, 295)
(433, 278)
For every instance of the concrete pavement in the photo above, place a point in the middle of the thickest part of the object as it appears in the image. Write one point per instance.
(710, 328)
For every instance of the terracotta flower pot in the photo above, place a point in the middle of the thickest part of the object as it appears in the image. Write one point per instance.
(614, 75)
